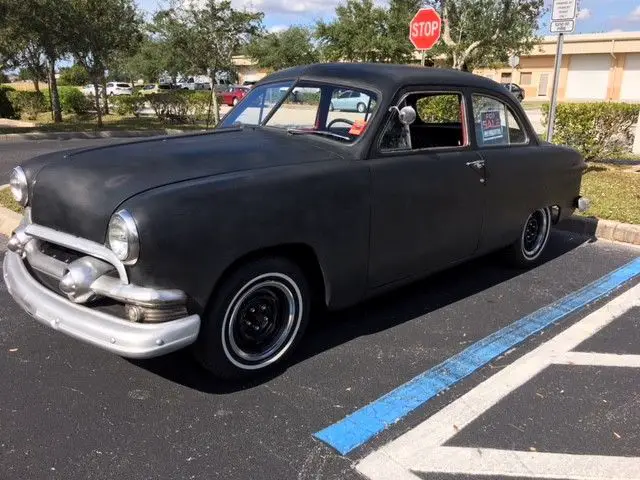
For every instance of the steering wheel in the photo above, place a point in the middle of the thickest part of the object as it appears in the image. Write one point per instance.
(336, 120)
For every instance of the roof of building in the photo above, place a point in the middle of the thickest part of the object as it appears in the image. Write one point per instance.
(386, 78)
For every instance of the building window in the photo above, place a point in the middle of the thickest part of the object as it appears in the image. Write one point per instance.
(505, 77)
(525, 78)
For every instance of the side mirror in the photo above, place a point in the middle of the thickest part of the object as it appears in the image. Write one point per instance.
(406, 115)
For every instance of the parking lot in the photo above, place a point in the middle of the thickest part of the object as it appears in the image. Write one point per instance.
(70, 411)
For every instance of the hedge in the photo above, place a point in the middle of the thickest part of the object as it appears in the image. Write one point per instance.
(180, 106)
(72, 100)
(598, 131)
(29, 103)
(128, 104)
(6, 107)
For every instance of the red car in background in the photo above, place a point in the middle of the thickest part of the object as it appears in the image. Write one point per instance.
(232, 96)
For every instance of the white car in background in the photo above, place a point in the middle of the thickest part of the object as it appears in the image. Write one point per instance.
(89, 90)
(119, 88)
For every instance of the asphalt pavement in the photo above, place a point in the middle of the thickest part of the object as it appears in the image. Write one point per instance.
(70, 411)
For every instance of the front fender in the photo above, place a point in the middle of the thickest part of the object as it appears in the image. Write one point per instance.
(192, 231)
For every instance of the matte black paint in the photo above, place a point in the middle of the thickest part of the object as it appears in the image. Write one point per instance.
(372, 221)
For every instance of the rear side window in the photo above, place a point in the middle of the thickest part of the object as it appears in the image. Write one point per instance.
(123, 85)
(496, 124)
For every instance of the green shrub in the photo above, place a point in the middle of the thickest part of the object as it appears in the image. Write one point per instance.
(72, 100)
(29, 103)
(180, 106)
(439, 109)
(7, 109)
(128, 104)
(599, 131)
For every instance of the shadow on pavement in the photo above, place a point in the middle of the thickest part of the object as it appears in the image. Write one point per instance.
(330, 329)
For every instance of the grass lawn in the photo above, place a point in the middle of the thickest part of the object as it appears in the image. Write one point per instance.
(87, 123)
(614, 192)
(7, 201)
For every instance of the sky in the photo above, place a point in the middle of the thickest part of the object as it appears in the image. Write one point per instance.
(594, 15)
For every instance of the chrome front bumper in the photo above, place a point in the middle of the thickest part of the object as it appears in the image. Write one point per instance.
(125, 338)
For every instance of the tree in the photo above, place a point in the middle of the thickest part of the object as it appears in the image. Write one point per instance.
(28, 57)
(40, 25)
(74, 75)
(357, 33)
(99, 31)
(206, 36)
(486, 31)
(278, 50)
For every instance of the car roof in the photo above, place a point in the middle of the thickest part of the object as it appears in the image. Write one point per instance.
(387, 78)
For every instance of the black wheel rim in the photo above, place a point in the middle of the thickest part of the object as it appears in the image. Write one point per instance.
(262, 321)
(535, 233)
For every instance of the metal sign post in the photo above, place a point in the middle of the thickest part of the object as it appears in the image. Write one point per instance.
(563, 20)
(554, 93)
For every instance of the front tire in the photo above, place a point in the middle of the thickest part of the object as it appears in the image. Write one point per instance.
(528, 249)
(255, 320)
(234, 102)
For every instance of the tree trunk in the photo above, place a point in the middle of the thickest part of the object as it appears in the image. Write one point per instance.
(106, 97)
(214, 107)
(36, 84)
(96, 90)
(55, 98)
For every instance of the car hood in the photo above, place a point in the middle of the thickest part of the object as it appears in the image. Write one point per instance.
(78, 191)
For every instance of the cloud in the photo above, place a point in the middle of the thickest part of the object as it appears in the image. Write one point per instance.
(277, 28)
(635, 15)
(584, 14)
(288, 7)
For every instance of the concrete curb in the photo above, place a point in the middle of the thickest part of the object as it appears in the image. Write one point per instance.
(602, 229)
(20, 137)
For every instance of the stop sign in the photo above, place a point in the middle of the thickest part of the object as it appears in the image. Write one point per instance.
(424, 28)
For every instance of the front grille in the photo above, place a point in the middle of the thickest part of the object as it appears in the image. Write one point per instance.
(58, 252)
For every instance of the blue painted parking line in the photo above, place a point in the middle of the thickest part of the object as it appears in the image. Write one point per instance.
(361, 426)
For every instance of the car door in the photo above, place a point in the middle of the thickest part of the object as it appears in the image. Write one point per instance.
(427, 197)
(515, 171)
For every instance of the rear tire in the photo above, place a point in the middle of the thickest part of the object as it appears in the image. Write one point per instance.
(361, 107)
(255, 320)
(527, 250)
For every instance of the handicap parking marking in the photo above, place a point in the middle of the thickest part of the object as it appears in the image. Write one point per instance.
(421, 450)
(364, 424)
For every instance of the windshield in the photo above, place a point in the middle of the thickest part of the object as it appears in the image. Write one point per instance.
(309, 108)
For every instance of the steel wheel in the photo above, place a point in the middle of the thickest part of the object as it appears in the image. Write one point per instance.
(261, 321)
(535, 234)
(255, 318)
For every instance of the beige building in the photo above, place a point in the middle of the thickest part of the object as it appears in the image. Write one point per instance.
(603, 66)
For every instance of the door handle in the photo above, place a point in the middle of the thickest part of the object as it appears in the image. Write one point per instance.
(477, 164)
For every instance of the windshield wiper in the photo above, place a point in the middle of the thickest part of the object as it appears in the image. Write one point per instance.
(298, 131)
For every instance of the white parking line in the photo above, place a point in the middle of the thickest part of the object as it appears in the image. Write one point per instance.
(421, 449)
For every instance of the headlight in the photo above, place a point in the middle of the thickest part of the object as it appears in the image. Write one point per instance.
(122, 237)
(19, 187)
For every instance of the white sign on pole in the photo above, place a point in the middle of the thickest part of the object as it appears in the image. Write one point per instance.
(563, 26)
(564, 9)
(514, 61)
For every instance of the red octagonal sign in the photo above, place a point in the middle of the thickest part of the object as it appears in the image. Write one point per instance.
(424, 29)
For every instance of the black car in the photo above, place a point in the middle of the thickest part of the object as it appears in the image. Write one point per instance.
(517, 90)
(225, 241)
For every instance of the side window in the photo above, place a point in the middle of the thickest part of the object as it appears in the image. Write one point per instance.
(440, 123)
(495, 123)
